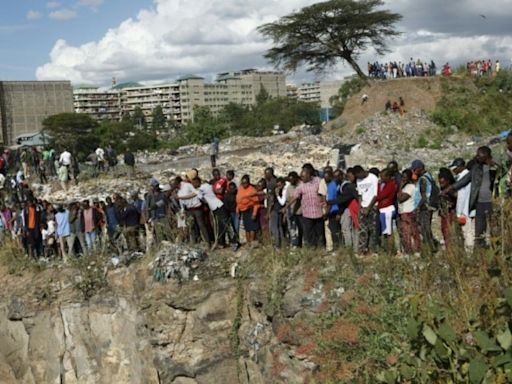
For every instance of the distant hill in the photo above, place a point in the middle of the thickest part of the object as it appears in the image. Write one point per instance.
(418, 93)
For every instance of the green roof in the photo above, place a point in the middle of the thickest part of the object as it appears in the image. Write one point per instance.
(190, 77)
(85, 86)
(126, 85)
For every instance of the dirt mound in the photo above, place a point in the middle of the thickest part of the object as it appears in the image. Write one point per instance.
(418, 93)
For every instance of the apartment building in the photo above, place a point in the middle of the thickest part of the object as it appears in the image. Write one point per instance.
(179, 99)
(100, 104)
(25, 104)
(319, 92)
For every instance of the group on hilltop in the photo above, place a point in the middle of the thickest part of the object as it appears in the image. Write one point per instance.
(394, 70)
(365, 210)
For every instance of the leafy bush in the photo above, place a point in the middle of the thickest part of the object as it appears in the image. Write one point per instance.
(476, 105)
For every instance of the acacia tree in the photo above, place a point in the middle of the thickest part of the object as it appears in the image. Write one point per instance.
(322, 34)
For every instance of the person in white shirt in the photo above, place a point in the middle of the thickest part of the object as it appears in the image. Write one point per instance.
(100, 155)
(222, 217)
(465, 217)
(65, 158)
(189, 199)
(367, 188)
(408, 226)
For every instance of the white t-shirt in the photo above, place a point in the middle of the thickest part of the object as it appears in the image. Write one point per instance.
(367, 189)
(206, 194)
(65, 158)
(187, 189)
(463, 197)
(408, 205)
(2, 181)
(101, 154)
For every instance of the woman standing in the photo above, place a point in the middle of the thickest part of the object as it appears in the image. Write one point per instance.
(247, 204)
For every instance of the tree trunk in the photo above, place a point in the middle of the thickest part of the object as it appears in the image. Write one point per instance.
(356, 67)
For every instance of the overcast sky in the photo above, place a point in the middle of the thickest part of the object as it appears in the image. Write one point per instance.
(91, 41)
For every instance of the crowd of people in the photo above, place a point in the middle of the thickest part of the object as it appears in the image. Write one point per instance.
(417, 68)
(394, 70)
(483, 67)
(365, 210)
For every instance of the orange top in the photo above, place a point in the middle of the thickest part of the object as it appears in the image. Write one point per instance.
(31, 218)
(245, 201)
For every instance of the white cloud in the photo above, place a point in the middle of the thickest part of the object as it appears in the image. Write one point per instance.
(209, 36)
(170, 39)
(62, 14)
(34, 15)
(52, 4)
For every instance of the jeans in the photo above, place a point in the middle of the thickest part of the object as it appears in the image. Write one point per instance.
(295, 229)
(235, 222)
(276, 228)
(483, 215)
(90, 240)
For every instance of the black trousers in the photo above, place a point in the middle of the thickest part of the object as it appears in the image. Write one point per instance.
(314, 234)
(483, 215)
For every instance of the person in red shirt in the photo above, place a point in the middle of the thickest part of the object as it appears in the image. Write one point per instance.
(219, 184)
(386, 197)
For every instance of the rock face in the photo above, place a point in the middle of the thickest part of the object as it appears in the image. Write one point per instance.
(138, 330)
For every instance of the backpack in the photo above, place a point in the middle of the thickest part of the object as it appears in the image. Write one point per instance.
(434, 198)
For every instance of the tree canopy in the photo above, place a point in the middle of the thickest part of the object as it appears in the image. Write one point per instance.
(322, 34)
(71, 131)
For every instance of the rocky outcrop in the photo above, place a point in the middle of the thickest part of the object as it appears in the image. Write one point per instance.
(137, 330)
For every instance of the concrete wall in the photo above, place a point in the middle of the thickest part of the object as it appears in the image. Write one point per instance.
(25, 104)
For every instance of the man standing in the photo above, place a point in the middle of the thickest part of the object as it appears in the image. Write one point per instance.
(328, 189)
(32, 219)
(214, 151)
(91, 218)
(219, 184)
(482, 174)
(423, 209)
(311, 203)
(220, 214)
(157, 205)
(64, 232)
(65, 158)
(129, 161)
(189, 199)
(367, 188)
(100, 155)
(465, 217)
(293, 211)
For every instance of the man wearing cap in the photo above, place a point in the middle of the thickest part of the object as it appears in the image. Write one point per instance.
(421, 203)
(157, 205)
(466, 218)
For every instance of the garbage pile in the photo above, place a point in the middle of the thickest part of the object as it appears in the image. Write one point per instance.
(176, 261)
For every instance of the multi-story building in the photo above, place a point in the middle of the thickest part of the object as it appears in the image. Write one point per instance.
(25, 104)
(319, 92)
(100, 104)
(179, 99)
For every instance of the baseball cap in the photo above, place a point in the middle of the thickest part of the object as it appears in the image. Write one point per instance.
(417, 164)
(458, 162)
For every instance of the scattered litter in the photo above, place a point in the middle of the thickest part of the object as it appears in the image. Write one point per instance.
(174, 261)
